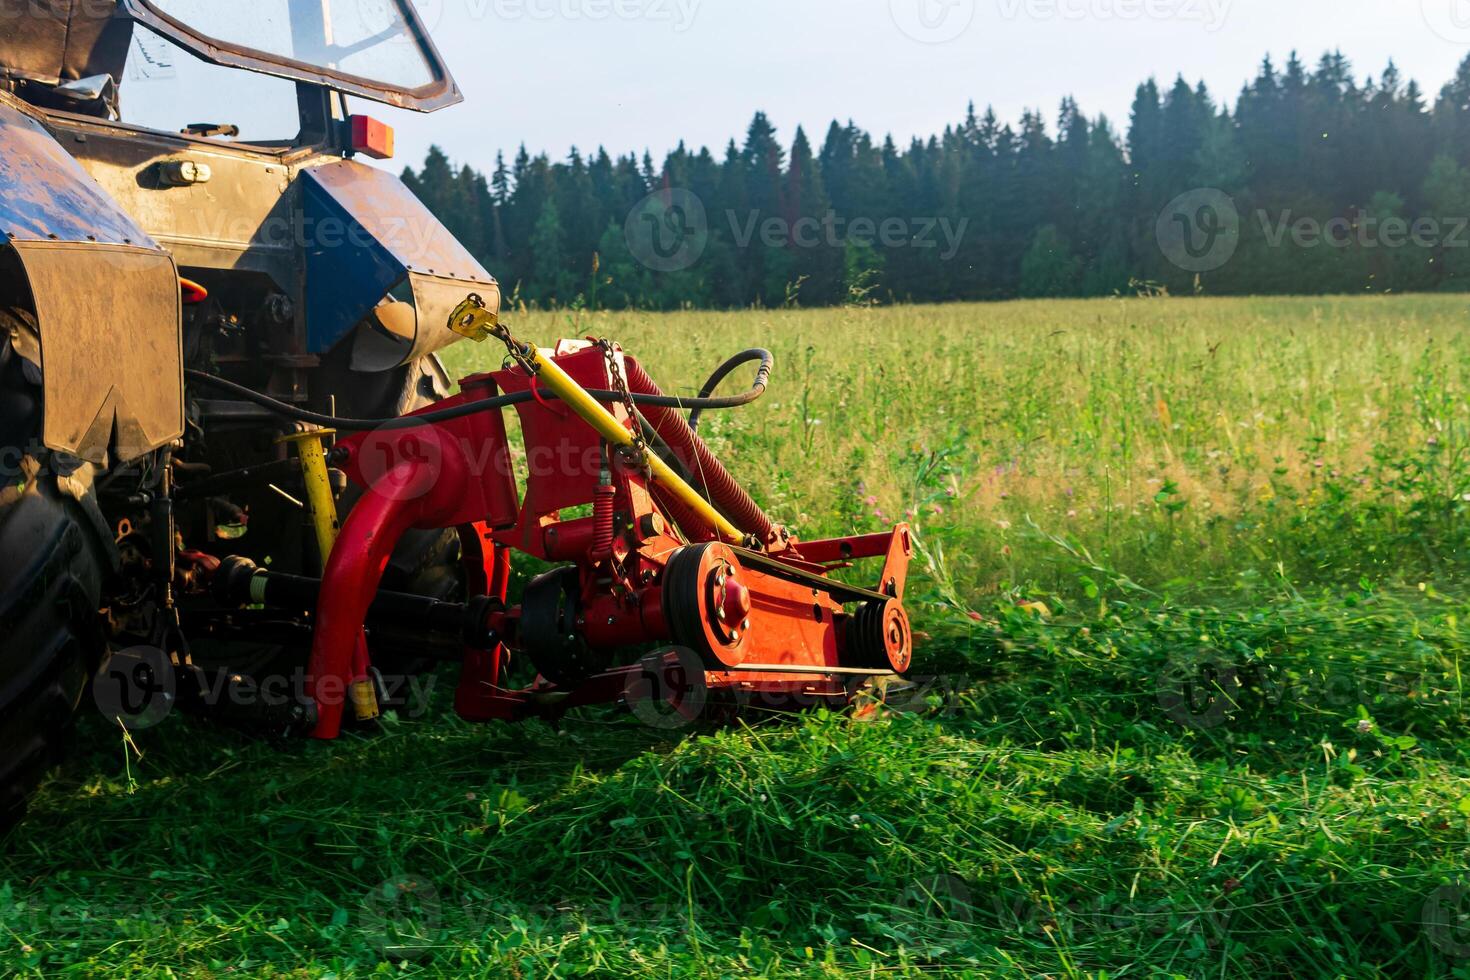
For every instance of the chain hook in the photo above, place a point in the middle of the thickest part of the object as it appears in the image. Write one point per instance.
(637, 451)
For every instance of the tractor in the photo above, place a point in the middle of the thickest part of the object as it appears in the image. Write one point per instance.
(230, 455)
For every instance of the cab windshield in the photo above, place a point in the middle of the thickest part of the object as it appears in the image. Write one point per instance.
(376, 48)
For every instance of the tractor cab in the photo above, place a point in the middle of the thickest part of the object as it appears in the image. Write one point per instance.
(214, 141)
(74, 55)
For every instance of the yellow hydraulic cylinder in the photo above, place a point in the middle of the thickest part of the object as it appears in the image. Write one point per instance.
(319, 500)
(323, 508)
(474, 320)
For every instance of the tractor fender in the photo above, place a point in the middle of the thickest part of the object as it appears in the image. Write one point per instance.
(373, 247)
(106, 301)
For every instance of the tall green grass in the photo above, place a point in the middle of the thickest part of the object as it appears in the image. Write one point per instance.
(1190, 591)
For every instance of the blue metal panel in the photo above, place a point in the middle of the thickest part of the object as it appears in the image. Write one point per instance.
(45, 195)
(365, 233)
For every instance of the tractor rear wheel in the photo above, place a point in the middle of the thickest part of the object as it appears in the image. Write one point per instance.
(54, 557)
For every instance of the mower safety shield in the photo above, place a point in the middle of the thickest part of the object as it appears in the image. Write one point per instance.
(106, 299)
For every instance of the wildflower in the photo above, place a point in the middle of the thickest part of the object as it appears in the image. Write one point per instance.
(937, 510)
(952, 491)
(27, 949)
(975, 616)
(1003, 525)
(855, 819)
(871, 501)
(1365, 727)
(763, 797)
(909, 514)
(1071, 513)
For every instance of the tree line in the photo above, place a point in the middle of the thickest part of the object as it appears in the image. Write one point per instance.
(1327, 185)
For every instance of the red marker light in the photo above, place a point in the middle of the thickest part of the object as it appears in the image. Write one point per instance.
(371, 138)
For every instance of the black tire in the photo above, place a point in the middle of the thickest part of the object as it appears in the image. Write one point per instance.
(54, 558)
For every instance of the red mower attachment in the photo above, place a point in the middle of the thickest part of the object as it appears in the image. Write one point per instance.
(666, 552)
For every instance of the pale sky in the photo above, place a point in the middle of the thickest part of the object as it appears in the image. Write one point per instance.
(643, 74)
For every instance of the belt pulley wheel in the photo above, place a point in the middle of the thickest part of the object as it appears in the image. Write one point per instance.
(548, 629)
(707, 604)
(879, 637)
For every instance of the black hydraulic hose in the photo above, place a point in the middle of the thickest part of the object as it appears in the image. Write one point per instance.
(702, 403)
(353, 425)
(762, 376)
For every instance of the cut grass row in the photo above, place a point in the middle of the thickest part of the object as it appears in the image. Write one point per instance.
(1231, 743)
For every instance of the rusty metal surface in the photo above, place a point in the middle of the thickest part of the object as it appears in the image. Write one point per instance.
(438, 94)
(53, 41)
(111, 347)
(366, 234)
(45, 195)
(106, 299)
(243, 219)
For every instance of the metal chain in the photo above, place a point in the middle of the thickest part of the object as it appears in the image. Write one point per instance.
(638, 451)
(474, 319)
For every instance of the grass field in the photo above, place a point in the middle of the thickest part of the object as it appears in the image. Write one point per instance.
(1192, 593)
